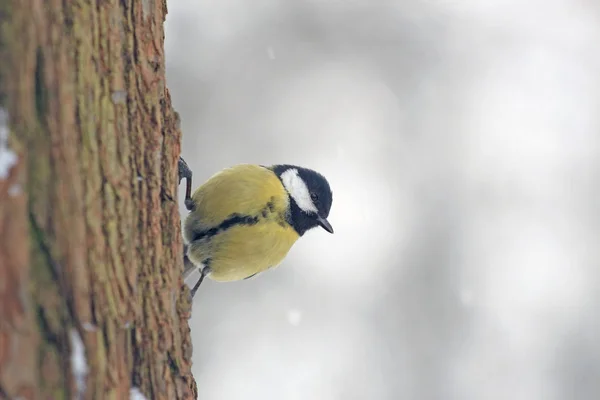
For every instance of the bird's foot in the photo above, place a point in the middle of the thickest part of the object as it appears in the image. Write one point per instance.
(186, 172)
(203, 273)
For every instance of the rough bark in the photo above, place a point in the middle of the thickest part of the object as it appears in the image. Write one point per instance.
(90, 241)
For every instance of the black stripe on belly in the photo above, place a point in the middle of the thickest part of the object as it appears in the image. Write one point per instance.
(233, 220)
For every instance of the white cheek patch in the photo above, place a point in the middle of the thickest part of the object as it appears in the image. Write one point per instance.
(297, 188)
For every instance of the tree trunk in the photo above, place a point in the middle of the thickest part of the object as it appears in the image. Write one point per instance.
(92, 301)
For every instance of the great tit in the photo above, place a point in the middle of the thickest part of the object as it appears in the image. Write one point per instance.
(245, 219)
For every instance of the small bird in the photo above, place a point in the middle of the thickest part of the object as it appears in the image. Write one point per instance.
(245, 219)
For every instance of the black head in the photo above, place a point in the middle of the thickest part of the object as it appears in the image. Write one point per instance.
(310, 197)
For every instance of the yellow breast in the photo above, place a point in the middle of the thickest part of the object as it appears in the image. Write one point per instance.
(243, 251)
(255, 238)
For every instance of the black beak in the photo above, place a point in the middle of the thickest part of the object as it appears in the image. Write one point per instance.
(325, 224)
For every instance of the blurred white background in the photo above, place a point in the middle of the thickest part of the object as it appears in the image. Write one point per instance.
(461, 139)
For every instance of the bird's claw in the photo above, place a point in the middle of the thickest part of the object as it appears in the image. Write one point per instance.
(186, 172)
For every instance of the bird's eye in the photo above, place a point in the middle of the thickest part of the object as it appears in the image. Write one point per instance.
(314, 197)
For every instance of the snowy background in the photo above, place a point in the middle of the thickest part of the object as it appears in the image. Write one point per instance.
(462, 142)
